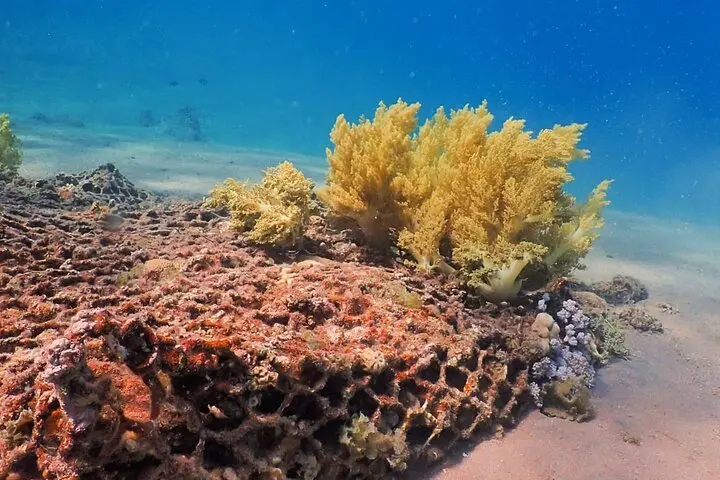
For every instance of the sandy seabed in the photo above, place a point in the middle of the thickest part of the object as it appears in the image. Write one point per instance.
(658, 415)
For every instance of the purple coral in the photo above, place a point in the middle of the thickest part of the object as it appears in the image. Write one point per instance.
(569, 357)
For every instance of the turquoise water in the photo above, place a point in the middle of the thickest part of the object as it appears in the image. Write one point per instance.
(274, 75)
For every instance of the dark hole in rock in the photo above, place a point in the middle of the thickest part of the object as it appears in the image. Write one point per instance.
(270, 400)
(471, 362)
(466, 417)
(194, 311)
(444, 440)
(274, 318)
(27, 466)
(138, 342)
(310, 373)
(515, 368)
(220, 412)
(264, 441)
(181, 440)
(356, 306)
(504, 396)
(390, 418)
(227, 261)
(303, 407)
(207, 216)
(215, 454)
(489, 360)
(484, 343)
(358, 371)
(418, 434)
(431, 373)
(231, 370)
(334, 389)
(136, 469)
(329, 434)
(294, 471)
(411, 394)
(382, 384)
(95, 450)
(455, 378)
(363, 403)
(441, 355)
(484, 383)
(189, 383)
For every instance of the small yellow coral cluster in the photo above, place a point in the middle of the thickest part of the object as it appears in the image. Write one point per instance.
(493, 203)
(273, 212)
(10, 154)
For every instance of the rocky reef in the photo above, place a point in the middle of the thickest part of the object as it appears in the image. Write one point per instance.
(142, 337)
(275, 331)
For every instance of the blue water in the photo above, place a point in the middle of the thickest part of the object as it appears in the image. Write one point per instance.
(274, 75)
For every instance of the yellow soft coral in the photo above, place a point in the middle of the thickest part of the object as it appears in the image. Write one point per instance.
(274, 212)
(366, 165)
(10, 154)
(571, 240)
(495, 201)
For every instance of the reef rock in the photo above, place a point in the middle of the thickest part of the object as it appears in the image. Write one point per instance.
(161, 344)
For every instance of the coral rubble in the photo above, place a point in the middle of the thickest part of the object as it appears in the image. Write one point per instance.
(163, 344)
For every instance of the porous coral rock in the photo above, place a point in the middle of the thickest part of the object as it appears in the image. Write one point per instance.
(225, 371)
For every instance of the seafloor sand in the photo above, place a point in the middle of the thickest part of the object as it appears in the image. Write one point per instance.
(149, 160)
(658, 414)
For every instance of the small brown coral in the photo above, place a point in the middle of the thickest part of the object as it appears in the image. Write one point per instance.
(568, 399)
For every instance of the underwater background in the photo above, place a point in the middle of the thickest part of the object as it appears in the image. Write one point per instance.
(180, 95)
(205, 75)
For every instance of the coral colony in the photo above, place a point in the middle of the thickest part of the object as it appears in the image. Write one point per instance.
(276, 331)
(570, 355)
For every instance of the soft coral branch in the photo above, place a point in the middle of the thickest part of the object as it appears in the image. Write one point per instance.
(495, 199)
(274, 212)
